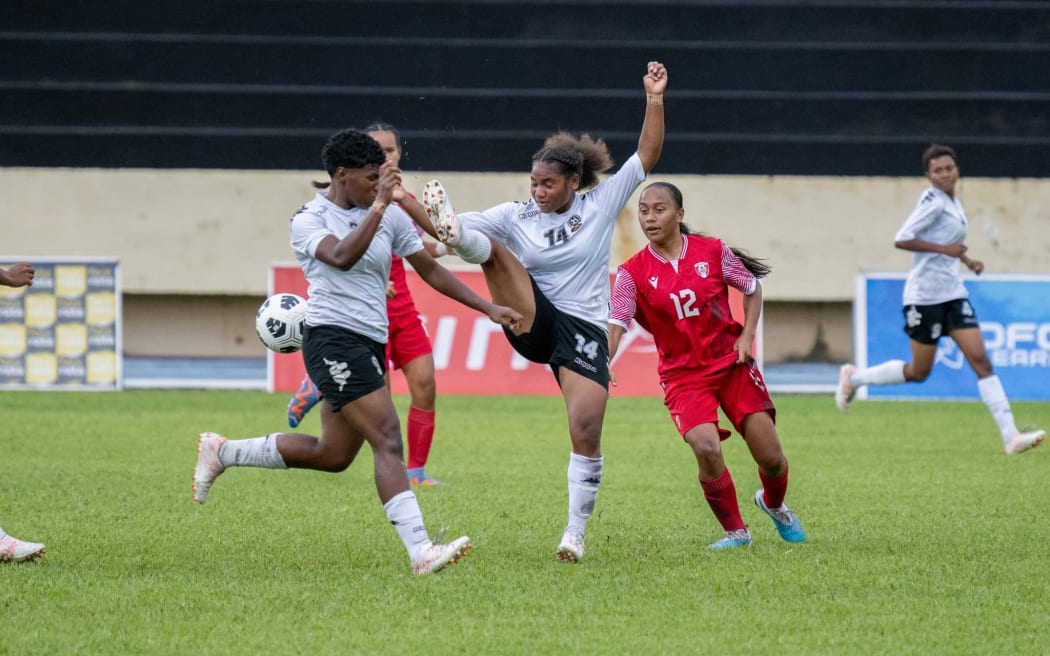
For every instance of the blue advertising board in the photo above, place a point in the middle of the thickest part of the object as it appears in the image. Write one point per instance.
(1014, 313)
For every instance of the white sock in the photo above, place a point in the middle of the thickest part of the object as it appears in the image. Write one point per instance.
(252, 452)
(585, 475)
(403, 512)
(473, 247)
(890, 372)
(2, 534)
(994, 396)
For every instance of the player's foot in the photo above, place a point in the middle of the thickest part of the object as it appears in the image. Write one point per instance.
(416, 476)
(1024, 441)
(571, 548)
(208, 464)
(439, 210)
(438, 556)
(732, 540)
(306, 398)
(846, 389)
(788, 526)
(13, 550)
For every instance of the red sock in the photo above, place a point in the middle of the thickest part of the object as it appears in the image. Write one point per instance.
(775, 488)
(721, 496)
(420, 435)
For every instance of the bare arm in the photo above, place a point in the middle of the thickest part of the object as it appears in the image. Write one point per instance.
(442, 280)
(752, 311)
(615, 333)
(651, 141)
(344, 253)
(955, 249)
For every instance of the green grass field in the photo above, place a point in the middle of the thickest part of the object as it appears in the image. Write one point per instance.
(924, 537)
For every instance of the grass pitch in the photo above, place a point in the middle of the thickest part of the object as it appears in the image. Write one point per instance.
(924, 537)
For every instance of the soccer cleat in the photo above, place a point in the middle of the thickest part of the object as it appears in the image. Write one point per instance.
(438, 556)
(788, 526)
(732, 540)
(306, 398)
(1024, 441)
(208, 464)
(13, 550)
(441, 214)
(846, 389)
(416, 476)
(571, 548)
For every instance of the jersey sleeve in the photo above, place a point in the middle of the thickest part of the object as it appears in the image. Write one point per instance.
(736, 274)
(622, 305)
(612, 193)
(929, 207)
(493, 222)
(405, 238)
(307, 230)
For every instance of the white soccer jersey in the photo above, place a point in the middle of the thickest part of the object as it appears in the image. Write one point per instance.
(354, 299)
(567, 254)
(934, 277)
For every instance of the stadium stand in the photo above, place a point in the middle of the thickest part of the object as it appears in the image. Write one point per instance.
(760, 87)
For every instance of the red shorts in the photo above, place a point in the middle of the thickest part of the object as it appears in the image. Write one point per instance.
(407, 341)
(738, 389)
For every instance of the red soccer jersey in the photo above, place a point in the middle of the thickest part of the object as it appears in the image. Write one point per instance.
(401, 304)
(686, 310)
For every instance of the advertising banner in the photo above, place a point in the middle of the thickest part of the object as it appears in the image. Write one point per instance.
(471, 354)
(63, 332)
(1014, 314)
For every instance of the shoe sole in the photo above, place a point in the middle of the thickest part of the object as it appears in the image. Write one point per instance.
(435, 202)
(567, 555)
(24, 559)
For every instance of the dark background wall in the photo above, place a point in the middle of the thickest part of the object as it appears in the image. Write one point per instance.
(775, 87)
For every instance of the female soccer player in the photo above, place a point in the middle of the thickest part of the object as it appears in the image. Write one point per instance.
(549, 258)
(936, 302)
(11, 548)
(343, 240)
(408, 347)
(677, 288)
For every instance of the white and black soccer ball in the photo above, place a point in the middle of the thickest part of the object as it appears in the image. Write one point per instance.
(280, 322)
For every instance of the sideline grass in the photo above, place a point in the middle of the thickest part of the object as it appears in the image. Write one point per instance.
(924, 537)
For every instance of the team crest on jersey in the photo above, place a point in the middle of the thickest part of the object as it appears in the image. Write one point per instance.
(575, 223)
(701, 269)
(653, 280)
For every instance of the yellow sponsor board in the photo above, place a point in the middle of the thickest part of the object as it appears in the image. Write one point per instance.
(12, 339)
(101, 309)
(101, 367)
(41, 368)
(41, 310)
(70, 339)
(70, 280)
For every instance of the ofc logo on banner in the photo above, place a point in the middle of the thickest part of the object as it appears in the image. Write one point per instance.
(471, 355)
(63, 332)
(1014, 313)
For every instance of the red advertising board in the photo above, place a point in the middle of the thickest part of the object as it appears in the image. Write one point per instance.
(471, 355)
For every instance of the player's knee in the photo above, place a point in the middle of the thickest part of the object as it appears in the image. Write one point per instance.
(914, 374)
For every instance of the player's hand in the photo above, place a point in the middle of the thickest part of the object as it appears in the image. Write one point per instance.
(18, 275)
(743, 349)
(976, 266)
(390, 292)
(655, 79)
(505, 316)
(389, 180)
(956, 249)
(612, 378)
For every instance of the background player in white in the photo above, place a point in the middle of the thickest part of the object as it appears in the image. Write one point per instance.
(936, 302)
(677, 288)
(549, 259)
(343, 240)
(11, 548)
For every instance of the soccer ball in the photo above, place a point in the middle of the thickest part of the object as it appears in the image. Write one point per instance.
(280, 322)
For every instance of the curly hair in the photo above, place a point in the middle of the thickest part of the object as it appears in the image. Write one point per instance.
(352, 149)
(583, 156)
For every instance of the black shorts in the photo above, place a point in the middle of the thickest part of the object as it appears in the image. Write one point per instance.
(562, 340)
(343, 364)
(927, 323)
